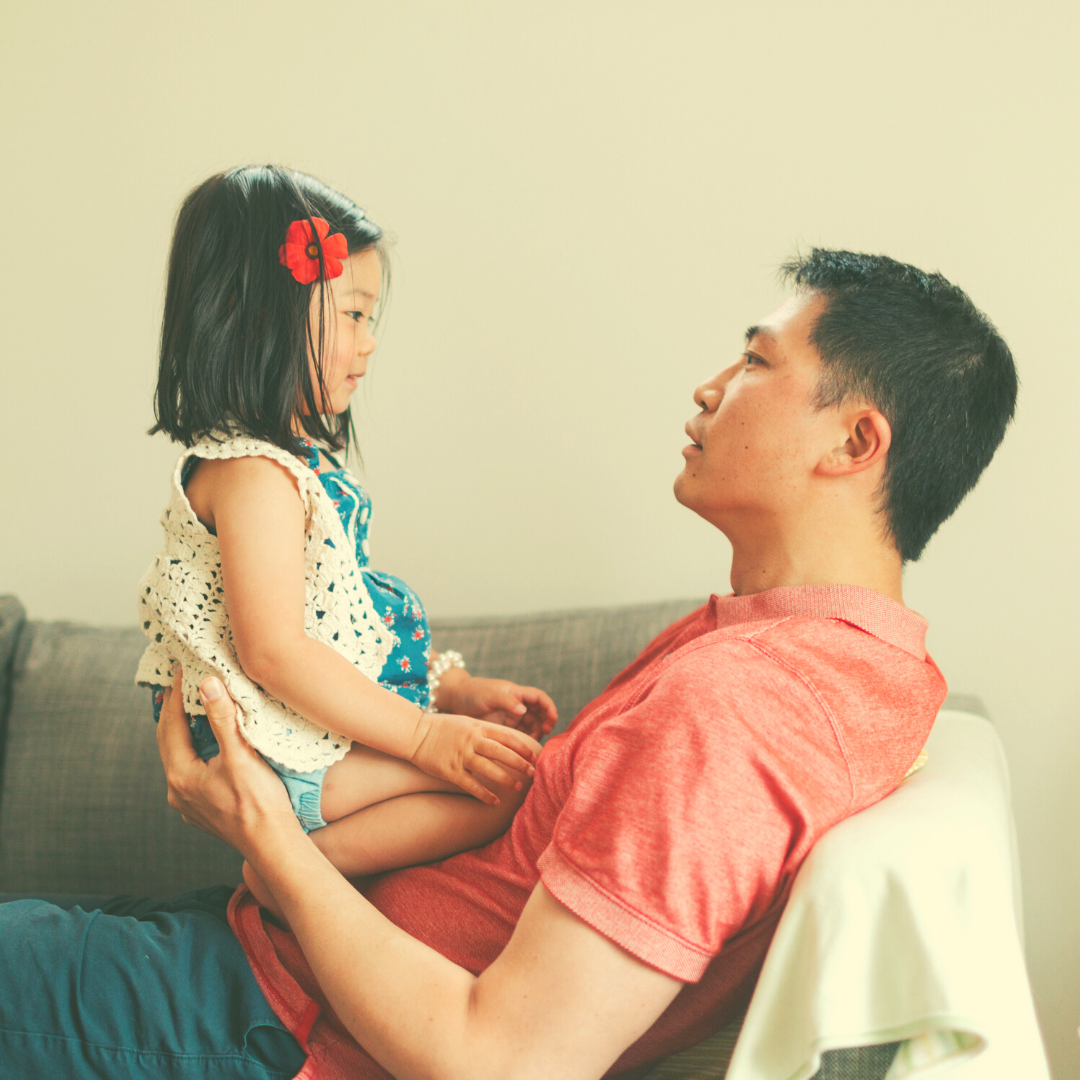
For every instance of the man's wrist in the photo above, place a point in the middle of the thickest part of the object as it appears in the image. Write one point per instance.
(265, 827)
(266, 831)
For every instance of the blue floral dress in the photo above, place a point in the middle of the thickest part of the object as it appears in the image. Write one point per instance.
(405, 670)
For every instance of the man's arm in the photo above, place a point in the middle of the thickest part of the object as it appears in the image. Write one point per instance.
(561, 1000)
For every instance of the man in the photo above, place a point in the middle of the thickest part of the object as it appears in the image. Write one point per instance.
(627, 911)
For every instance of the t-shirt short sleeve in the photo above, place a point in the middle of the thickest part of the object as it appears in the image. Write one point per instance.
(684, 808)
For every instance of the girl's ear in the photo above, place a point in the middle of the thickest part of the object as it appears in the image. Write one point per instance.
(868, 437)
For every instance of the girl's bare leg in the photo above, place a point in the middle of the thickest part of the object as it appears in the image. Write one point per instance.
(405, 817)
(365, 777)
(414, 829)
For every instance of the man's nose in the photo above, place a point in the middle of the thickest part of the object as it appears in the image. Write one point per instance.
(711, 392)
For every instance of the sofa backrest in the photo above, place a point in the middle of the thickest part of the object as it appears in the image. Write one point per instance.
(82, 805)
(572, 655)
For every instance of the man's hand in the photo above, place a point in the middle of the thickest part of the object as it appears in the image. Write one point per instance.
(466, 752)
(500, 702)
(233, 793)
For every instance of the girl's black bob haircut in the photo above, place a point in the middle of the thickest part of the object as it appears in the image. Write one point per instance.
(238, 327)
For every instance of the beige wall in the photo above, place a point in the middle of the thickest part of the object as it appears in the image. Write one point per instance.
(590, 200)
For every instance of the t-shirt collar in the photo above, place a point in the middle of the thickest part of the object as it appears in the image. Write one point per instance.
(871, 611)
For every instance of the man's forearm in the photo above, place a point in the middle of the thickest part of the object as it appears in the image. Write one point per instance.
(406, 1004)
(560, 1000)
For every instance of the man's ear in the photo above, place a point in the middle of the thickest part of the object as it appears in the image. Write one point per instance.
(868, 439)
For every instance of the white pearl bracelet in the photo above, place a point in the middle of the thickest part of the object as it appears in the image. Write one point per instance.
(437, 669)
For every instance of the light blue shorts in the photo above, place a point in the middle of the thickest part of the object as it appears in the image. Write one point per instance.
(304, 788)
(305, 793)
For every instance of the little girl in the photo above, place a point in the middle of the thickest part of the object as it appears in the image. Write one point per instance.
(264, 579)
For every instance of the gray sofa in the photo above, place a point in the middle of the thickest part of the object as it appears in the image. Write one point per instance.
(82, 794)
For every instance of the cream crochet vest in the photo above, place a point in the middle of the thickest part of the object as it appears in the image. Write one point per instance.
(182, 612)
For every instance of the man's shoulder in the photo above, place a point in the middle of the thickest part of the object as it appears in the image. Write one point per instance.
(798, 642)
(732, 672)
(797, 663)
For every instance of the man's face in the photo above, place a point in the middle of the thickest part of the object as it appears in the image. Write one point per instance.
(759, 436)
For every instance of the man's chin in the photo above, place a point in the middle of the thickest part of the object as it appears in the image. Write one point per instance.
(683, 490)
(688, 492)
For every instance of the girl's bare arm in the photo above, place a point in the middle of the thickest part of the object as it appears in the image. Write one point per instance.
(255, 508)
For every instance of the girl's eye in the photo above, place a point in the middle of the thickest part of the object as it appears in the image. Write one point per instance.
(359, 317)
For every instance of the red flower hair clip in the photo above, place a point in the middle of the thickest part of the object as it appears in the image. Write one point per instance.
(300, 252)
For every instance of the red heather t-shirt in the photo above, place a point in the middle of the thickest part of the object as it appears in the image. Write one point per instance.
(673, 813)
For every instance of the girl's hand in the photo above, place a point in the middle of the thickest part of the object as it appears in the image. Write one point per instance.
(500, 702)
(467, 751)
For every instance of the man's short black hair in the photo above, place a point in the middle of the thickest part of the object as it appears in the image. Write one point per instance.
(915, 347)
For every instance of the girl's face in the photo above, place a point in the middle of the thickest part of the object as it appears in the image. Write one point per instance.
(348, 342)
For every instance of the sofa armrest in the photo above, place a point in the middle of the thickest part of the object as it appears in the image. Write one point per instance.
(12, 617)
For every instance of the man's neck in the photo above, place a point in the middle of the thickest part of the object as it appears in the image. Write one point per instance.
(769, 559)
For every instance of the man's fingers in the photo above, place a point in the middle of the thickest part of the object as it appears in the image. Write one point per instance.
(173, 733)
(220, 711)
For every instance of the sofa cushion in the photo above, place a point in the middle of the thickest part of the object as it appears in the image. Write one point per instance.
(83, 806)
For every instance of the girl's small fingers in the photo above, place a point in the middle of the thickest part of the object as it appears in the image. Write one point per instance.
(508, 702)
(518, 741)
(487, 769)
(538, 701)
(473, 787)
(495, 751)
(548, 706)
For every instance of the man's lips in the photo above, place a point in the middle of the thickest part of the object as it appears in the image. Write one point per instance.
(690, 434)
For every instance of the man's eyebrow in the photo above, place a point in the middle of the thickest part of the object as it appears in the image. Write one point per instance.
(759, 331)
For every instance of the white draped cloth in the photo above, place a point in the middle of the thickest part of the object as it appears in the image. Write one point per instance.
(904, 923)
